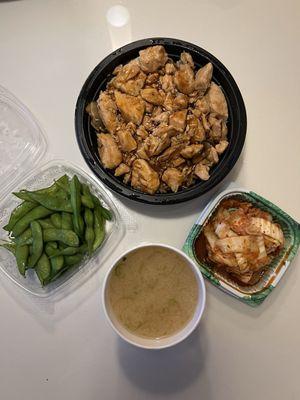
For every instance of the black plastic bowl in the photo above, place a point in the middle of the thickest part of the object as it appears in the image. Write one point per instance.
(86, 136)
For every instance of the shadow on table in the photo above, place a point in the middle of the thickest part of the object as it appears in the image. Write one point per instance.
(167, 371)
(183, 209)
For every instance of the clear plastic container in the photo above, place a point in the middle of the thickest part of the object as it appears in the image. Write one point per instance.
(22, 147)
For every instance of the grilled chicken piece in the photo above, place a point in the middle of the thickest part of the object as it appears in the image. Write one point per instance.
(215, 128)
(141, 132)
(163, 117)
(122, 169)
(186, 58)
(143, 177)
(178, 161)
(153, 96)
(173, 178)
(184, 79)
(109, 152)
(133, 86)
(202, 171)
(174, 103)
(130, 79)
(222, 146)
(157, 144)
(178, 120)
(202, 106)
(170, 68)
(203, 78)
(108, 112)
(142, 151)
(132, 108)
(217, 101)
(191, 150)
(195, 129)
(212, 156)
(152, 58)
(170, 153)
(167, 83)
(127, 142)
(163, 129)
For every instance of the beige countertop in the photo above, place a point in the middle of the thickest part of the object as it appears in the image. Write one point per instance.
(66, 350)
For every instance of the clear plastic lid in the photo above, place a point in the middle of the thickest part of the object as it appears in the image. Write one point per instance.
(21, 139)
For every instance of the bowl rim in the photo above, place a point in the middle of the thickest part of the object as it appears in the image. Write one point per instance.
(161, 198)
(198, 310)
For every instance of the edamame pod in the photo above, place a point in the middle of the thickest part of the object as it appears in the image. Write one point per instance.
(61, 235)
(56, 220)
(66, 221)
(75, 188)
(37, 243)
(43, 269)
(23, 223)
(21, 257)
(18, 213)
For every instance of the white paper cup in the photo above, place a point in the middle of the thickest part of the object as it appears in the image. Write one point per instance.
(164, 342)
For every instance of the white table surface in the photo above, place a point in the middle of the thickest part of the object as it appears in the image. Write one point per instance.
(67, 350)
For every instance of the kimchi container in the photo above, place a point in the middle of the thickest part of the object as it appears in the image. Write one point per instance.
(254, 294)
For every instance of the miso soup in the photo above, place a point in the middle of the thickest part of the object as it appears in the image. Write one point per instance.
(153, 292)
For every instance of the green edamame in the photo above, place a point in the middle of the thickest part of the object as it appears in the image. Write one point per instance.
(45, 223)
(23, 223)
(104, 211)
(43, 269)
(24, 237)
(51, 248)
(72, 260)
(86, 197)
(37, 243)
(75, 188)
(56, 220)
(89, 231)
(22, 253)
(57, 263)
(66, 221)
(99, 228)
(56, 201)
(18, 213)
(65, 236)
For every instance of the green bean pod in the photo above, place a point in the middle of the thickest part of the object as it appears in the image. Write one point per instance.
(22, 253)
(37, 243)
(65, 236)
(23, 223)
(43, 269)
(75, 188)
(18, 213)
